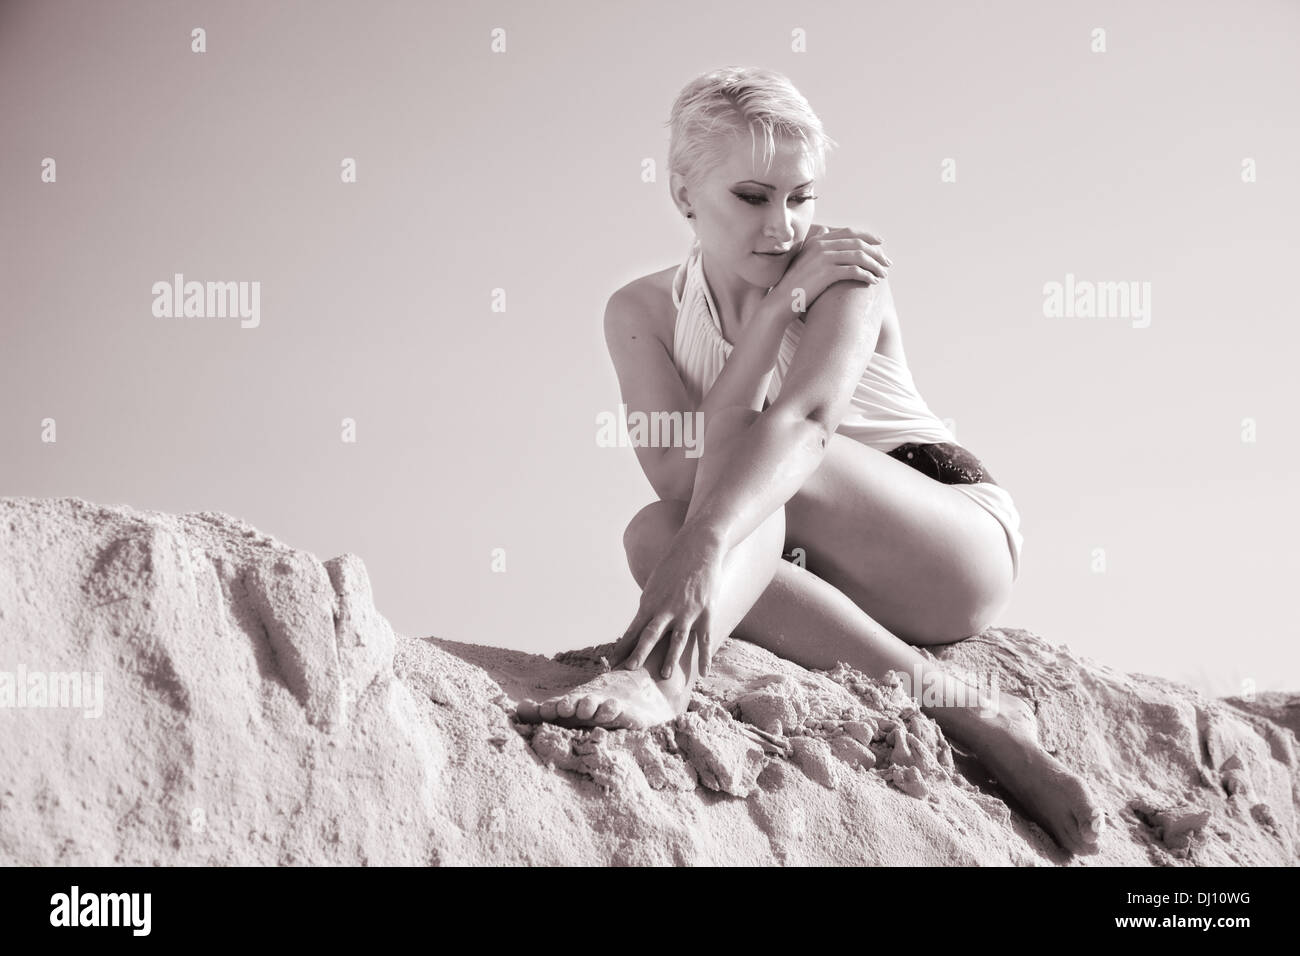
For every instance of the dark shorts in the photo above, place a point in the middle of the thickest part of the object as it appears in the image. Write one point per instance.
(943, 461)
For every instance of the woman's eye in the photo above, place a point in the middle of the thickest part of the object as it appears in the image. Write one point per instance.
(756, 200)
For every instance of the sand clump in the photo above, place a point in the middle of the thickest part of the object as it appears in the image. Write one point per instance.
(258, 709)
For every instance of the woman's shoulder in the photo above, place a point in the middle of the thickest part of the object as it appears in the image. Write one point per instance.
(653, 282)
(649, 303)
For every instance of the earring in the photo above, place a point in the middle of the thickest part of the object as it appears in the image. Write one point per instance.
(690, 215)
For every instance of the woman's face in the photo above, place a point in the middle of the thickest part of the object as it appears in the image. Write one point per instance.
(744, 209)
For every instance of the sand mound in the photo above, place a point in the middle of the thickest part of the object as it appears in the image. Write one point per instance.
(256, 708)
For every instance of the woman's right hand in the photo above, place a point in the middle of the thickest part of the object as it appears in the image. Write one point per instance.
(826, 257)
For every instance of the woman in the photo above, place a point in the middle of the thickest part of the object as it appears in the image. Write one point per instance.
(782, 334)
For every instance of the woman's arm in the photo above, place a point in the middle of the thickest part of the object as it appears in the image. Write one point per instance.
(787, 442)
(649, 382)
(748, 370)
(744, 380)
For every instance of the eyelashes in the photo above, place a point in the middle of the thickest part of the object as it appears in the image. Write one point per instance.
(756, 200)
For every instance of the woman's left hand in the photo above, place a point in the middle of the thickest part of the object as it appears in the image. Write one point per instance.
(679, 598)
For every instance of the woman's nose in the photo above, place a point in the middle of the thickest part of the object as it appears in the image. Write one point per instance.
(782, 229)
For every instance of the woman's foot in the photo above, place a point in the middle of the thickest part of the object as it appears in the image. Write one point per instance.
(1050, 793)
(1006, 742)
(618, 698)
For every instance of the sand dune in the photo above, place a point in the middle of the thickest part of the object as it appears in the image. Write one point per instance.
(256, 708)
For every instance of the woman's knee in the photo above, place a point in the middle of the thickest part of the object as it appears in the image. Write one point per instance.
(647, 535)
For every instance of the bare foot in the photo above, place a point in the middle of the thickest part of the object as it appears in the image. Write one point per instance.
(1050, 793)
(617, 699)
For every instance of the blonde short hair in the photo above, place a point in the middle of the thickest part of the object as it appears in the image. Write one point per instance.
(720, 105)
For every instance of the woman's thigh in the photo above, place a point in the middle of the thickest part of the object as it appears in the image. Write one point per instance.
(920, 557)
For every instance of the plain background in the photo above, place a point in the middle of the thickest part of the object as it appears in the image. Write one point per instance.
(522, 171)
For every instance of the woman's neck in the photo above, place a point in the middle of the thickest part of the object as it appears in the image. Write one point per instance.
(735, 299)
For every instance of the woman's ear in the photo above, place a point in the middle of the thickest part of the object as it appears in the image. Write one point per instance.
(680, 194)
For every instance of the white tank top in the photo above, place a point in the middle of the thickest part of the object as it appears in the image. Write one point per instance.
(886, 410)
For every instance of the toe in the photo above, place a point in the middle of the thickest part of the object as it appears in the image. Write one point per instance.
(548, 710)
(586, 707)
(1080, 832)
(622, 721)
(528, 712)
(566, 707)
(607, 712)
(1092, 825)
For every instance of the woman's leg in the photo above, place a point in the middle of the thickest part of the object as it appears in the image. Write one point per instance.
(937, 574)
(641, 697)
(930, 564)
(804, 619)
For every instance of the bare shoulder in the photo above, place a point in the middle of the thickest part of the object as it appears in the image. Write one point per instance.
(646, 304)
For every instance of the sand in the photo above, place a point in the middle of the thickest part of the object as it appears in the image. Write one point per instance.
(256, 708)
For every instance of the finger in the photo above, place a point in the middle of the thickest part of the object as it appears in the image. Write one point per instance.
(878, 255)
(865, 236)
(852, 248)
(622, 651)
(853, 251)
(708, 647)
(856, 273)
(861, 260)
(627, 642)
(832, 237)
(872, 262)
(649, 639)
(705, 642)
(675, 645)
(847, 232)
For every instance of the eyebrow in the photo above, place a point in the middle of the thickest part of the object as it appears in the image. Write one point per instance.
(769, 186)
